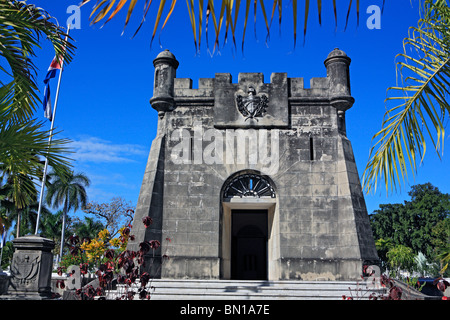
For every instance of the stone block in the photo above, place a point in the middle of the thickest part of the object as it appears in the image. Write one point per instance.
(31, 268)
(226, 101)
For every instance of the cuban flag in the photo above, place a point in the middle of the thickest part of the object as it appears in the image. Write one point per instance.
(51, 73)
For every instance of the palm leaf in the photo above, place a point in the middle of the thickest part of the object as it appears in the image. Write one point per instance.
(226, 16)
(23, 142)
(247, 9)
(146, 8)
(103, 12)
(158, 17)
(277, 3)
(421, 101)
(263, 10)
(129, 12)
(172, 7)
(22, 145)
(211, 12)
(228, 4)
(21, 28)
(190, 4)
(117, 9)
(306, 20)
(200, 22)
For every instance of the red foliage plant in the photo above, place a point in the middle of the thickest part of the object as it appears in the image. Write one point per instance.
(123, 269)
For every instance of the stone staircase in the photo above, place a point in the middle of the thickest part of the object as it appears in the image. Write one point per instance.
(165, 289)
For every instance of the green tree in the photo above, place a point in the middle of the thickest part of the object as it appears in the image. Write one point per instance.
(23, 140)
(6, 206)
(69, 191)
(411, 224)
(26, 217)
(441, 241)
(428, 207)
(8, 251)
(400, 258)
(14, 198)
(421, 105)
(89, 228)
(50, 225)
(383, 246)
(385, 220)
(441, 233)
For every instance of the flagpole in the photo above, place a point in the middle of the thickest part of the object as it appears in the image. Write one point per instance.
(44, 177)
(1, 244)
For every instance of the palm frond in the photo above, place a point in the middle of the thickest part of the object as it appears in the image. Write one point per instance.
(22, 146)
(24, 142)
(421, 101)
(21, 28)
(227, 18)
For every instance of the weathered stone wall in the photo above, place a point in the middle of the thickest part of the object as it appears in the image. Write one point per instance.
(318, 223)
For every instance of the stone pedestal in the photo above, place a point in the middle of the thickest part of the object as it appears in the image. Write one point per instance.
(31, 268)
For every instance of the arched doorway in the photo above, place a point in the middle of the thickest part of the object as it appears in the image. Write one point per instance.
(248, 229)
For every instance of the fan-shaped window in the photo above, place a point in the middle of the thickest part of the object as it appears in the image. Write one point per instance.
(249, 185)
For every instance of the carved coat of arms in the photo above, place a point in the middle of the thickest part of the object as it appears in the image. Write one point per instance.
(253, 105)
(24, 269)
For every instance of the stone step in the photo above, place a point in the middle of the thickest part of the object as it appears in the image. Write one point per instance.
(243, 290)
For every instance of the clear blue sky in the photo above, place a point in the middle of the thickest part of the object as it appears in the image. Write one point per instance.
(104, 101)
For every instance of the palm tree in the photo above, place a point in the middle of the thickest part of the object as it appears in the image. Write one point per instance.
(88, 229)
(26, 217)
(424, 72)
(227, 18)
(13, 199)
(23, 140)
(50, 226)
(69, 191)
(6, 206)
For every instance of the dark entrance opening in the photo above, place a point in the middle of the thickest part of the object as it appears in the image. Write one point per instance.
(249, 244)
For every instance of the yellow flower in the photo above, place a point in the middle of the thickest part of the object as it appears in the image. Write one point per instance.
(114, 242)
(85, 246)
(104, 234)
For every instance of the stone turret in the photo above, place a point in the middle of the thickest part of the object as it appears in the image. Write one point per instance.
(337, 64)
(165, 72)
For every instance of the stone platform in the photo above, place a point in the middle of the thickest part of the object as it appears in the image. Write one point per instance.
(165, 289)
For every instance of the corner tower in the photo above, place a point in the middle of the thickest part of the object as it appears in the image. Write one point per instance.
(253, 179)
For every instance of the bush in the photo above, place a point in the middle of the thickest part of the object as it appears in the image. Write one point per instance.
(110, 260)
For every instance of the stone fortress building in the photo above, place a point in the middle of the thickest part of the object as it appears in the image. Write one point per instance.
(253, 180)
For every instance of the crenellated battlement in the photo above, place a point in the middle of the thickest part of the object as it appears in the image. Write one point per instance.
(183, 87)
(221, 92)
